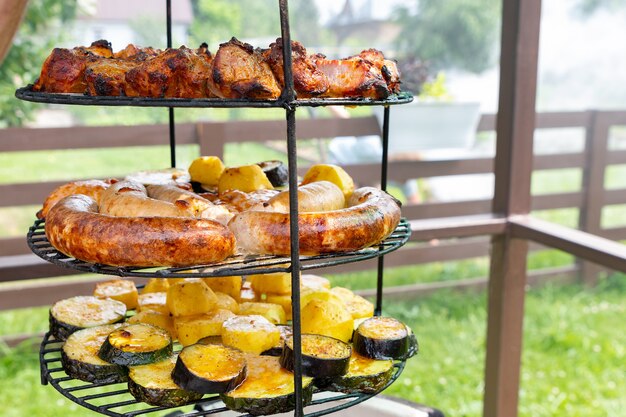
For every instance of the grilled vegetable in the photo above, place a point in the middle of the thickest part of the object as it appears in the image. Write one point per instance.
(227, 285)
(413, 344)
(153, 384)
(381, 338)
(206, 170)
(364, 375)
(273, 312)
(314, 281)
(327, 318)
(190, 296)
(226, 302)
(72, 314)
(244, 178)
(156, 285)
(118, 289)
(322, 356)
(275, 283)
(277, 350)
(356, 305)
(268, 388)
(136, 344)
(332, 173)
(283, 300)
(276, 172)
(254, 334)
(80, 360)
(155, 318)
(153, 301)
(209, 369)
(190, 329)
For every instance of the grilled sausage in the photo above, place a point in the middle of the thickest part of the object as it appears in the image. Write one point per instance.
(92, 188)
(370, 217)
(316, 196)
(75, 228)
(200, 206)
(130, 199)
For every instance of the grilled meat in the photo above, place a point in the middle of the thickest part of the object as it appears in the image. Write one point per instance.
(387, 67)
(176, 73)
(107, 77)
(239, 71)
(352, 77)
(133, 53)
(64, 69)
(308, 80)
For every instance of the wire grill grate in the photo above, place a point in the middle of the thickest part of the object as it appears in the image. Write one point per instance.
(27, 94)
(236, 265)
(113, 399)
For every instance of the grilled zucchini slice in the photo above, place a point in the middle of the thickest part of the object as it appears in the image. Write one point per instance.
(136, 344)
(268, 388)
(79, 356)
(209, 369)
(322, 356)
(72, 314)
(364, 375)
(153, 384)
(382, 338)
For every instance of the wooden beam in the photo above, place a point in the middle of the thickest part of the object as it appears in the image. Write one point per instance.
(513, 164)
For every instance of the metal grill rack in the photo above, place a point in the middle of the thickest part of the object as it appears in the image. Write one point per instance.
(236, 265)
(113, 399)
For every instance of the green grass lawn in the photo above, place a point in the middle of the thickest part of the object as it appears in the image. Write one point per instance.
(573, 360)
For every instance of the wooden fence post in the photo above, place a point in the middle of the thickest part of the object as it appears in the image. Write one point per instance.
(592, 188)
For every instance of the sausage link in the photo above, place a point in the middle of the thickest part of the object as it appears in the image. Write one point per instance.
(92, 188)
(313, 197)
(130, 199)
(75, 228)
(370, 217)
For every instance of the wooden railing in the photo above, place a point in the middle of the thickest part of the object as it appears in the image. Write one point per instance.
(18, 265)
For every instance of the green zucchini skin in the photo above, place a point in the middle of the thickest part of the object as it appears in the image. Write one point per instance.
(268, 389)
(185, 377)
(265, 406)
(315, 366)
(383, 348)
(62, 328)
(354, 381)
(76, 352)
(276, 172)
(113, 354)
(163, 396)
(414, 346)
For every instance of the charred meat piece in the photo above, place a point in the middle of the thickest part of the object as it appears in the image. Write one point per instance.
(239, 71)
(64, 69)
(107, 77)
(133, 53)
(307, 79)
(352, 77)
(387, 67)
(174, 73)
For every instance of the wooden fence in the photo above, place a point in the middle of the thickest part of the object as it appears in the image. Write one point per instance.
(19, 267)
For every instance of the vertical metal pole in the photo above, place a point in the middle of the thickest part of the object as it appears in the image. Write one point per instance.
(288, 96)
(383, 186)
(513, 167)
(168, 6)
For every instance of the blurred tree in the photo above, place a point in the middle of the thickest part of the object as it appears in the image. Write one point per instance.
(40, 31)
(589, 7)
(451, 34)
(216, 21)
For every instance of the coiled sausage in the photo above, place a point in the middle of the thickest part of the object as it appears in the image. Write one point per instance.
(370, 217)
(75, 228)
